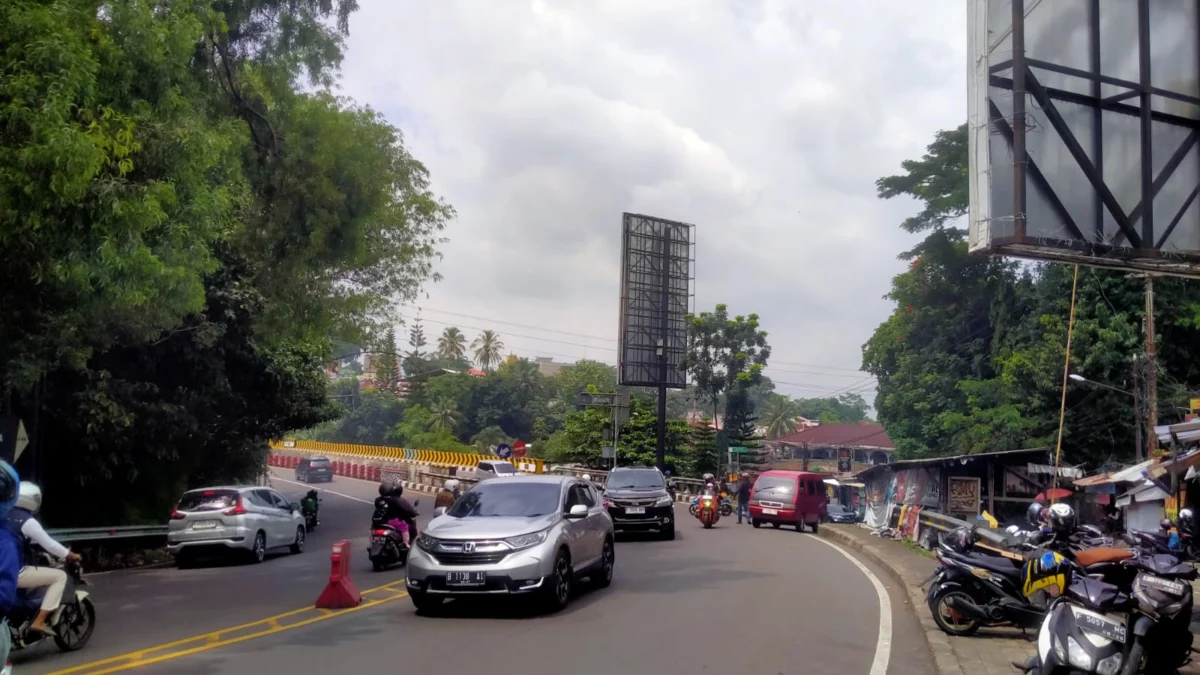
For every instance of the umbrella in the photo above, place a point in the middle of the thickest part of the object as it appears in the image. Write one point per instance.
(1052, 494)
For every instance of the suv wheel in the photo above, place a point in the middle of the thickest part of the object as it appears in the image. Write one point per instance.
(668, 532)
(259, 552)
(558, 590)
(608, 556)
(298, 544)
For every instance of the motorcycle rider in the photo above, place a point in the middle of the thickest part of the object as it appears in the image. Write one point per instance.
(10, 555)
(311, 502)
(22, 519)
(393, 509)
(447, 495)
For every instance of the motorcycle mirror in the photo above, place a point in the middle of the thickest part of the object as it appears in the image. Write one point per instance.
(417, 502)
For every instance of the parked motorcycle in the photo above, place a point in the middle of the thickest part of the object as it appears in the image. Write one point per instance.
(972, 589)
(708, 511)
(73, 621)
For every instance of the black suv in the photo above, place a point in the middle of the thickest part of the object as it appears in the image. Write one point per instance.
(639, 499)
(314, 469)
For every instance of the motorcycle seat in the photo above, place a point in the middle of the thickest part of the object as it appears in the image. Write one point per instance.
(993, 563)
(1104, 554)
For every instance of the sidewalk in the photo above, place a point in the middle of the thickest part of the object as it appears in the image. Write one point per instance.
(989, 652)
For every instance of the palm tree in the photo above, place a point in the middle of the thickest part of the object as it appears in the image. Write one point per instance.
(779, 416)
(487, 349)
(452, 345)
(443, 415)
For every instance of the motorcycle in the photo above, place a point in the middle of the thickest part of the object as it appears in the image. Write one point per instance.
(73, 621)
(970, 590)
(726, 507)
(387, 545)
(708, 511)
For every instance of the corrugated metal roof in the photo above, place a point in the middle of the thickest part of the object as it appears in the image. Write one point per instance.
(845, 435)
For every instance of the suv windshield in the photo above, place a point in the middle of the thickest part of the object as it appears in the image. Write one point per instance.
(207, 500)
(777, 484)
(835, 508)
(505, 499)
(635, 480)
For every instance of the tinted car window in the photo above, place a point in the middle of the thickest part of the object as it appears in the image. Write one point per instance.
(319, 462)
(836, 509)
(582, 494)
(207, 500)
(280, 501)
(504, 469)
(634, 480)
(502, 498)
(776, 485)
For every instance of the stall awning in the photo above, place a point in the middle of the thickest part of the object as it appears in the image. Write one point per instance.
(1132, 474)
(832, 481)
(1184, 463)
(1187, 432)
(1048, 470)
(1144, 493)
(1091, 481)
(854, 485)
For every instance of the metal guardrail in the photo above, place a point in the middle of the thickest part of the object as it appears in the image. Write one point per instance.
(94, 534)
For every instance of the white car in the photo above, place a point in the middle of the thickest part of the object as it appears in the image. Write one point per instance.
(491, 468)
(245, 519)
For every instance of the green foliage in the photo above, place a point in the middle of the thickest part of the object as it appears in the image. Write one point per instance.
(452, 345)
(971, 359)
(487, 348)
(582, 437)
(387, 369)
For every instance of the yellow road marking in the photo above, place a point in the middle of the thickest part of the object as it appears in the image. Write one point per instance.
(212, 640)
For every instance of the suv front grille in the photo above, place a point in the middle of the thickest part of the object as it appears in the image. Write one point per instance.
(635, 502)
(486, 558)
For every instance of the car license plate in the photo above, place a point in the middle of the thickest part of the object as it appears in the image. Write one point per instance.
(1172, 587)
(1108, 629)
(204, 525)
(466, 578)
(635, 510)
(770, 512)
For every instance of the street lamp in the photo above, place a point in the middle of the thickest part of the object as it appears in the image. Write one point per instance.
(1079, 378)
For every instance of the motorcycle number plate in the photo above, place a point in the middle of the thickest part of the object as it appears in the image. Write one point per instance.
(466, 578)
(1107, 629)
(378, 540)
(204, 525)
(771, 512)
(1173, 587)
(635, 510)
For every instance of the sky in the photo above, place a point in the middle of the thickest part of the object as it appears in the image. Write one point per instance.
(764, 123)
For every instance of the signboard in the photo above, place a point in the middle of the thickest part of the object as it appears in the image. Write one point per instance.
(964, 495)
(844, 462)
(608, 452)
(503, 451)
(738, 450)
(289, 444)
(518, 449)
(13, 438)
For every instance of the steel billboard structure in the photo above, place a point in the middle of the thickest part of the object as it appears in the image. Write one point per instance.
(1076, 116)
(657, 270)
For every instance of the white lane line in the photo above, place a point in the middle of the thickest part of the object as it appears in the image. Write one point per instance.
(883, 646)
(357, 499)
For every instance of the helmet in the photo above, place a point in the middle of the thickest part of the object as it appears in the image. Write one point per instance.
(29, 497)
(587, 477)
(1012, 530)
(1187, 521)
(385, 488)
(961, 538)
(708, 477)
(450, 485)
(397, 489)
(1063, 519)
(1166, 524)
(9, 487)
(1049, 571)
(1034, 514)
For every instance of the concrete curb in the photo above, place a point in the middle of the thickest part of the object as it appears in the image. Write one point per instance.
(939, 643)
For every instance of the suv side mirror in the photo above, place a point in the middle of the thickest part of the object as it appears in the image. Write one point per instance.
(578, 511)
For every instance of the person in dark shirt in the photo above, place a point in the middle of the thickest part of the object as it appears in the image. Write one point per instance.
(743, 497)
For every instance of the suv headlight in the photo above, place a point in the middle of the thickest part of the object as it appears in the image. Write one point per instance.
(426, 542)
(526, 540)
(664, 500)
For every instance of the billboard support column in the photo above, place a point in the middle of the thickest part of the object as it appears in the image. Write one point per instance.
(660, 446)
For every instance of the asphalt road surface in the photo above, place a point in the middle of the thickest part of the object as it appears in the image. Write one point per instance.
(728, 600)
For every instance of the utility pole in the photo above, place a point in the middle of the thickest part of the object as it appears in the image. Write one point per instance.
(1151, 371)
(1137, 408)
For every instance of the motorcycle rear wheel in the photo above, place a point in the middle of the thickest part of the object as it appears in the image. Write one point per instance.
(962, 626)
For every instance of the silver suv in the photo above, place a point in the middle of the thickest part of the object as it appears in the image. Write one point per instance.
(248, 520)
(525, 535)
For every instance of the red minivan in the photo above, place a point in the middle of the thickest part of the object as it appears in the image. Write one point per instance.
(788, 498)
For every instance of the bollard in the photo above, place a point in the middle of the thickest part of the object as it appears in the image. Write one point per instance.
(376, 472)
(340, 593)
(360, 471)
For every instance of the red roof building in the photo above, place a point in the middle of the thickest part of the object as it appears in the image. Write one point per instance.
(868, 443)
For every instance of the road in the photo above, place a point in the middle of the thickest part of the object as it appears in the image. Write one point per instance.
(733, 599)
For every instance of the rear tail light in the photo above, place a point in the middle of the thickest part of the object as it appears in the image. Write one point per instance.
(238, 510)
(380, 533)
(607, 504)
(176, 515)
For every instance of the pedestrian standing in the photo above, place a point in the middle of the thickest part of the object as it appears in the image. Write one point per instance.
(743, 497)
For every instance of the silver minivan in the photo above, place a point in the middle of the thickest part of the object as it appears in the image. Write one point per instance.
(525, 535)
(490, 468)
(249, 520)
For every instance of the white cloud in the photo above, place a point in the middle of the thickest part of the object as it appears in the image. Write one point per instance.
(764, 122)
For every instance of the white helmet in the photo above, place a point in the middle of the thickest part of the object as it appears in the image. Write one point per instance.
(29, 497)
(450, 485)
(587, 477)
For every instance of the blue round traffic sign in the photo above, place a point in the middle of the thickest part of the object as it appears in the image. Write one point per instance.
(503, 450)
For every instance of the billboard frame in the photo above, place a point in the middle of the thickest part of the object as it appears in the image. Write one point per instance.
(657, 275)
(1141, 235)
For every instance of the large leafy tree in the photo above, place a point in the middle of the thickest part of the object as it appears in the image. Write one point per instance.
(487, 348)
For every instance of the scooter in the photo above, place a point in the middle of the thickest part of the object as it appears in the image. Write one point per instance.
(708, 511)
(726, 506)
(387, 545)
(73, 621)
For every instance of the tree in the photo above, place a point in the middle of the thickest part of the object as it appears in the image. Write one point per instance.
(726, 356)
(443, 415)
(387, 371)
(487, 349)
(779, 416)
(452, 345)
(415, 361)
(705, 456)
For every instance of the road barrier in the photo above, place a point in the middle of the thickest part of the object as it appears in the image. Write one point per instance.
(340, 592)
(392, 454)
(95, 534)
